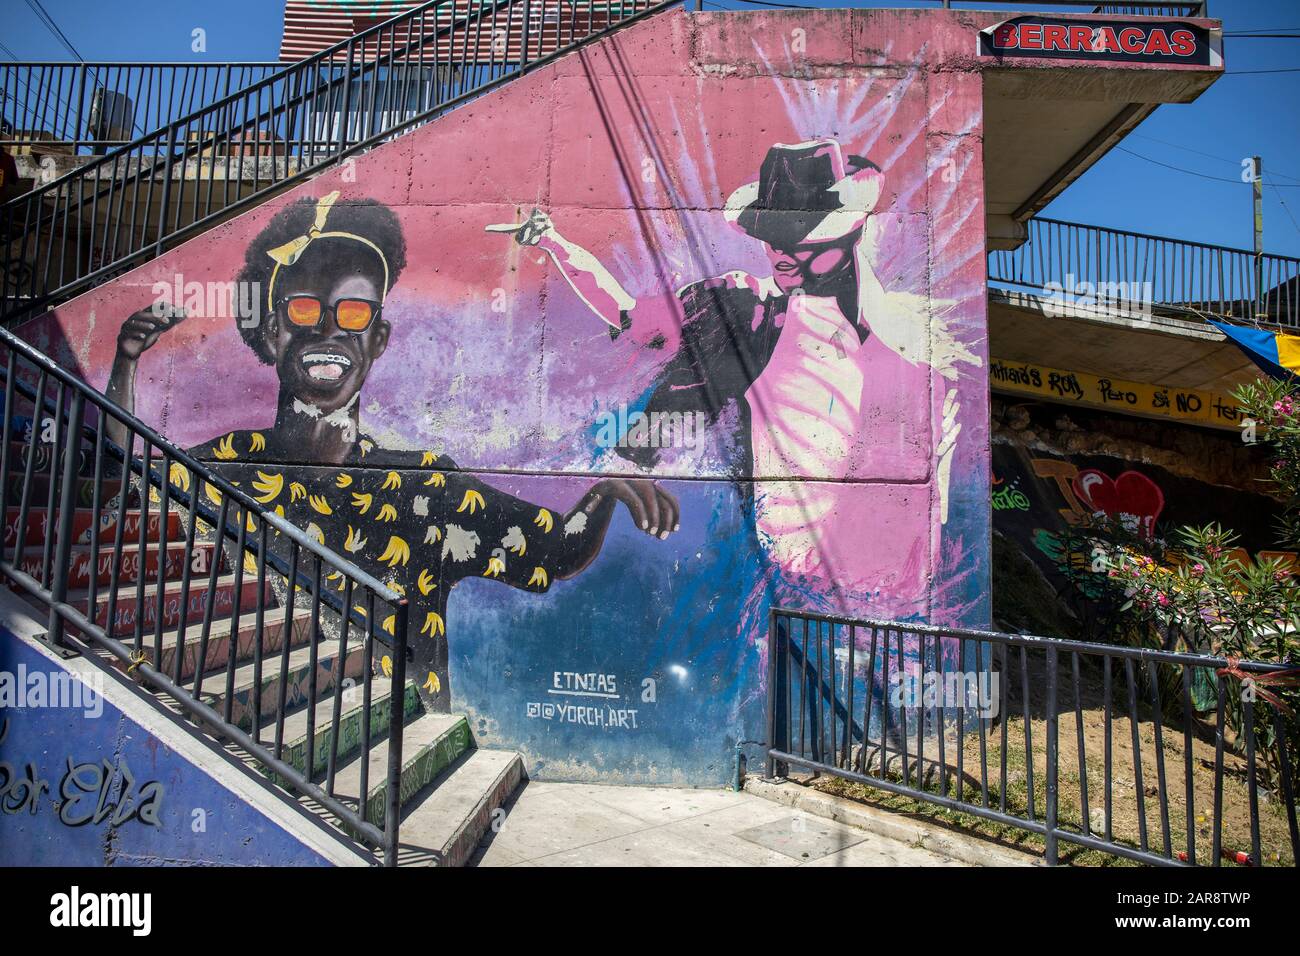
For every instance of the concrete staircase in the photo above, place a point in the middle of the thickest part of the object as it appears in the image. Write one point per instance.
(449, 787)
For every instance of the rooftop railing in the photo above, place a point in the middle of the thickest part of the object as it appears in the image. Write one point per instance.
(1151, 274)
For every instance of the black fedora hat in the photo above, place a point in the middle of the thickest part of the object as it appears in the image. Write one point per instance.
(806, 192)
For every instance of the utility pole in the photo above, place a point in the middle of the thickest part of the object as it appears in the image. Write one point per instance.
(1257, 189)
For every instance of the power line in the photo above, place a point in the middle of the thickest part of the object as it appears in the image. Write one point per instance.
(50, 24)
(1192, 172)
(1286, 208)
(1246, 72)
(1222, 159)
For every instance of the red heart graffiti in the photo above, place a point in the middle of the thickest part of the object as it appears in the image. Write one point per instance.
(1132, 493)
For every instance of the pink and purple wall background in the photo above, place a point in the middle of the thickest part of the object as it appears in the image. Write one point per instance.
(632, 146)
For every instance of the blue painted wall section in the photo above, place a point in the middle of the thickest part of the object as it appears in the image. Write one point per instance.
(80, 788)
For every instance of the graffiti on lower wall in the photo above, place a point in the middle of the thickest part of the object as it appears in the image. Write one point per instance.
(1196, 406)
(83, 784)
(1038, 495)
(593, 422)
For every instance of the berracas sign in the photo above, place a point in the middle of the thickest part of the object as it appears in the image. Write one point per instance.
(1148, 41)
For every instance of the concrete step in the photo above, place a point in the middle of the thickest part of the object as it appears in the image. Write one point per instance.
(83, 518)
(18, 451)
(124, 611)
(295, 727)
(82, 493)
(444, 827)
(297, 678)
(79, 576)
(219, 640)
(430, 744)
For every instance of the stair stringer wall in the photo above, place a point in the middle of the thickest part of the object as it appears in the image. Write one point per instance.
(96, 776)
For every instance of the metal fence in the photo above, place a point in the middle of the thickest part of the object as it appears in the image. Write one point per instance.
(1151, 273)
(69, 511)
(129, 204)
(927, 712)
(91, 107)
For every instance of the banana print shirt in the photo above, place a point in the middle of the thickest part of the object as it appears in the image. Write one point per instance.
(413, 521)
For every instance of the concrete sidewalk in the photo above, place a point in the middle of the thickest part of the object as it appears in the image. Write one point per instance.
(566, 824)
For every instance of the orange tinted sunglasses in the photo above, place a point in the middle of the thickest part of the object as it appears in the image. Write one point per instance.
(351, 315)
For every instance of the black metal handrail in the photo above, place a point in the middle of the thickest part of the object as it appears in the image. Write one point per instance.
(1113, 268)
(93, 106)
(257, 541)
(134, 201)
(842, 700)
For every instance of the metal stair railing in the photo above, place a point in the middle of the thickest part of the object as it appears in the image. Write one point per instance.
(135, 201)
(94, 106)
(924, 712)
(75, 420)
(1137, 272)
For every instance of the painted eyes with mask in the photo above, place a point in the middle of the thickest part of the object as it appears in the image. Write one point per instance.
(809, 262)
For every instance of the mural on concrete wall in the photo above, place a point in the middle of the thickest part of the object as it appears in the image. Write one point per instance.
(410, 517)
(700, 343)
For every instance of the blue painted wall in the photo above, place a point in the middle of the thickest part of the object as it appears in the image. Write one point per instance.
(169, 792)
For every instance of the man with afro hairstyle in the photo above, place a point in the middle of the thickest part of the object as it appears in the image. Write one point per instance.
(322, 271)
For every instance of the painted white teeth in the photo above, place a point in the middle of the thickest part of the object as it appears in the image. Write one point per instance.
(327, 357)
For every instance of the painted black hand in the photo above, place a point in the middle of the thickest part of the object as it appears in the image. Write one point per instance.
(653, 510)
(142, 330)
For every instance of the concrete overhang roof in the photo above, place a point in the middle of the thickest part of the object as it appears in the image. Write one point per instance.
(1108, 342)
(1046, 121)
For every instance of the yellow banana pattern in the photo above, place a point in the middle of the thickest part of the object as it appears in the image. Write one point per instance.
(179, 475)
(431, 528)
(270, 486)
(397, 552)
(472, 501)
(225, 449)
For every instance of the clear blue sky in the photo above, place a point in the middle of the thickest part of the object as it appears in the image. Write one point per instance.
(1239, 116)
